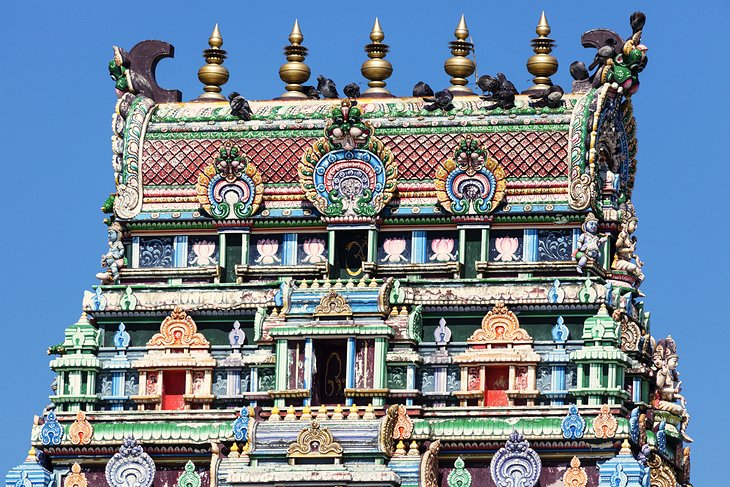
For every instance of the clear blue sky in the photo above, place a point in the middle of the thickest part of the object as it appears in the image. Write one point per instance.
(57, 101)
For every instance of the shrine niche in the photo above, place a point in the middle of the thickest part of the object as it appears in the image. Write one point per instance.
(498, 368)
(176, 372)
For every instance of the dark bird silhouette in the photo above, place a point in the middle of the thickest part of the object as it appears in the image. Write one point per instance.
(442, 99)
(602, 55)
(487, 83)
(422, 90)
(578, 71)
(311, 92)
(637, 20)
(239, 106)
(352, 91)
(501, 91)
(327, 87)
(551, 97)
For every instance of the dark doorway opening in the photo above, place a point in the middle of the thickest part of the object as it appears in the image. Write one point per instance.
(173, 389)
(330, 373)
(351, 249)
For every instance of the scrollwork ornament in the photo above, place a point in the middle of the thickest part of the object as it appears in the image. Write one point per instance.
(241, 425)
(605, 424)
(573, 424)
(189, 478)
(80, 431)
(575, 476)
(315, 441)
(515, 464)
(661, 474)
(52, 431)
(403, 428)
(429, 467)
(459, 476)
(499, 324)
(130, 466)
(387, 426)
(76, 478)
(334, 304)
(178, 330)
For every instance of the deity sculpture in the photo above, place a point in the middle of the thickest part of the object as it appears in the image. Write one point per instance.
(113, 260)
(626, 244)
(668, 384)
(589, 243)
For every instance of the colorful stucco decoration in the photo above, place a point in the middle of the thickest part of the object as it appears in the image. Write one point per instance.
(178, 331)
(80, 431)
(76, 478)
(349, 172)
(130, 466)
(472, 182)
(515, 463)
(231, 186)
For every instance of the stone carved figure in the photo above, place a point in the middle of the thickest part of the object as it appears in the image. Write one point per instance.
(589, 243)
(626, 244)
(113, 260)
(668, 384)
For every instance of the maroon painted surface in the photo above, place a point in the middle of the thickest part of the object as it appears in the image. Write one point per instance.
(165, 477)
(551, 475)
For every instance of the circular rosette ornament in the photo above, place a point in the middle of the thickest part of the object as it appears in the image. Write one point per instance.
(348, 172)
(231, 187)
(472, 183)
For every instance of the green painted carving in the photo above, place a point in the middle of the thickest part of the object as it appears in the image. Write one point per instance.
(397, 295)
(129, 300)
(258, 323)
(415, 324)
(459, 477)
(190, 477)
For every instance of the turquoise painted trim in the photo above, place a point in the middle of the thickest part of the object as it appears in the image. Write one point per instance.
(289, 249)
(180, 255)
(350, 377)
(529, 245)
(419, 251)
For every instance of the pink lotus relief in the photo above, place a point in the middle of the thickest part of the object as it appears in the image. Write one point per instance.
(442, 249)
(204, 252)
(267, 249)
(394, 248)
(314, 250)
(507, 248)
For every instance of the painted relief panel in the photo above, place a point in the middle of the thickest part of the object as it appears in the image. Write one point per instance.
(265, 250)
(312, 248)
(202, 250)
(442, 246)
(554, 245)
(394, 248)
(505, 245)
(156, 251)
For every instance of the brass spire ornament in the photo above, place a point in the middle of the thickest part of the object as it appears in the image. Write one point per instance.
(542, 65)
(376, 69)
(294, 72)
(213, 75)
(460, 66)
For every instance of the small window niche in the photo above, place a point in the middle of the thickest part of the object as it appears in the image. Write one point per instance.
(265, 250)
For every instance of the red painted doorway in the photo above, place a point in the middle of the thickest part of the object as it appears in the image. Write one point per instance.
(173, 388)
(495, 388)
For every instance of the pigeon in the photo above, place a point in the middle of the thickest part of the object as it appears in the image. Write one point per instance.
(422, 90)
(442, 99)
(602, 55)
(578, 71)
(311, 92)
(551, 97)
(239, 106)
(501, 91)
(352, 91)
(327, 87)
(487, 83)
(637, 20)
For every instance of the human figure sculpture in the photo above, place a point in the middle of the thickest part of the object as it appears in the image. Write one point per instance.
(589, 243)
(626, 244)
(113, 260)
(668, 384)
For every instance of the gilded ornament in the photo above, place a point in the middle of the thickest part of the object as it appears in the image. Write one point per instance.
(500, 324)
(387, 426)
(333, 304)
(178, 331)
(80, 431)
(661, 474)
(376, 69)
(213, 74)
(295, 72)
(542, 64)
(459, 66)
(605, 424)
(314, 441)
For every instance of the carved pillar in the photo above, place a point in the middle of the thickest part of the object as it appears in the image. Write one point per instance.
(308, 357)
(350, 376)
(380, 372)
(282, 353)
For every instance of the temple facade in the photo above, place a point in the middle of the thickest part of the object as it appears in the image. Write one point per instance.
(369, 290)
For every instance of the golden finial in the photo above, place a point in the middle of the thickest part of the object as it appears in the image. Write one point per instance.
(31, 455)
(625, 448)
(542, 65)
(460, 66)
(376, 69)
(294, 72)
(213, 75)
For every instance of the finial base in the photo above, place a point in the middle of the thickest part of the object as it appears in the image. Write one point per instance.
(211, 97)
(377, 93)
(460, 90)
(292, 95)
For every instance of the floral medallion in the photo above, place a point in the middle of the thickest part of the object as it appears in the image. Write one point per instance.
(515, 464)
(231, 187)
(472, 183)
(349, 172)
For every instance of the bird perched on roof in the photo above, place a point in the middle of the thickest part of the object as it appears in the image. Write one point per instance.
(239, 106)
(551, 97)
(327, 87)
(637, 21)
(603, 54)
(422, 90)
(311, 92)
(352, 91)
(578, 71)
(501, 91)
(442, 99)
